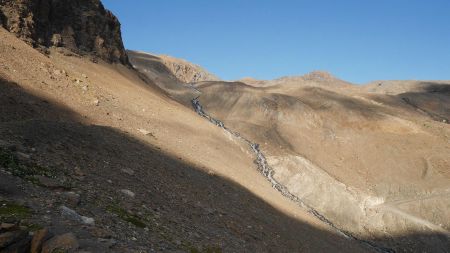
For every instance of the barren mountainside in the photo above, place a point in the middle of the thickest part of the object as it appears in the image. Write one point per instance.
(108, 150)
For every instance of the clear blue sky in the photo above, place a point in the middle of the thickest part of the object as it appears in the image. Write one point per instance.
(356, 40)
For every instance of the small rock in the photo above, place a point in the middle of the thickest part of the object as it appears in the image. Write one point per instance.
(78, 172)
(128, 171)
(84, 76)
(73, 215)
(87, 220)
(96, 102)
(23, 155)
(143, 131)
(100, 233)
(109, 181)
(50, 183)
(58, 72)
(56, 40)
(8, 226)
(128, 193)
(108, 242)
(38, 240)
(85, 88)
(72, 198)
(63, 243)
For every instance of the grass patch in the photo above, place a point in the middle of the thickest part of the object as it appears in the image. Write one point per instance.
(206, 250)
(13, 211)
(33, 227)
(126, 216)
(59, 250)
(27, 171)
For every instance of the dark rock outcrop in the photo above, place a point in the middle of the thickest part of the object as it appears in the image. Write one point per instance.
(82, 26)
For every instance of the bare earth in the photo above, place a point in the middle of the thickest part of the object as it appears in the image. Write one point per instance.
(373, 159)
(153, 174)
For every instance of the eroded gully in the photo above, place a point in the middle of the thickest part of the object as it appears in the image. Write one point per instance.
(264, 168)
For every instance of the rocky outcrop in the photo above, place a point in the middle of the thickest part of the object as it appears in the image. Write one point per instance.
(173, 68)
(83, 26)
(187, 72)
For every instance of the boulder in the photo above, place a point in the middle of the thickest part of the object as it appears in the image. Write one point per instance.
(65, 242)
(38, 240)
(73, 215)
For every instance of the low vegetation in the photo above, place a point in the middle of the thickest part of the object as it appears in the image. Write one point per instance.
(9, 161)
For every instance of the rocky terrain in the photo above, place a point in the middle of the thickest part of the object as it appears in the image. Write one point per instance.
(386, 189)
(79, 26)
(104, 160)
(164, 65)
(96, 156)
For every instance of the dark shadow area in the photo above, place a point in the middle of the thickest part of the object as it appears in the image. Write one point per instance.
(3, 20)
(311, 96)
(430, 99)
(149, 61)
(152, 71)
(431, 87)
(183, 207)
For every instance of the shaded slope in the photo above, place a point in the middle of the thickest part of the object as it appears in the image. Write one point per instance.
(183, 207)
(345, 153)
(193, 185)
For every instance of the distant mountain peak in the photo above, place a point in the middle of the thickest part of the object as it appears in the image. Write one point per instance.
(319, 75)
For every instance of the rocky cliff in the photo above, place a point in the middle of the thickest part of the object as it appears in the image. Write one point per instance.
(82, 26)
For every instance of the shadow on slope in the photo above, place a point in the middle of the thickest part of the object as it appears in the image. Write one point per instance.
(183, 207)
(434, 101)
(150, 61)
(429, 99)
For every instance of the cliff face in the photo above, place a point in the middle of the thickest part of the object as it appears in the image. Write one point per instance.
(82, 26)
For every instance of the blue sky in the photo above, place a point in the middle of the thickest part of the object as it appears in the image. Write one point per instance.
(356, 40)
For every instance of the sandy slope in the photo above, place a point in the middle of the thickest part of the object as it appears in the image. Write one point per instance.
(372, 159)
(204, 182)
(352, 152)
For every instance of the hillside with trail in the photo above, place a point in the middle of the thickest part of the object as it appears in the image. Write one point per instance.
(104, 149)
(370, 161)
(106, 161)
